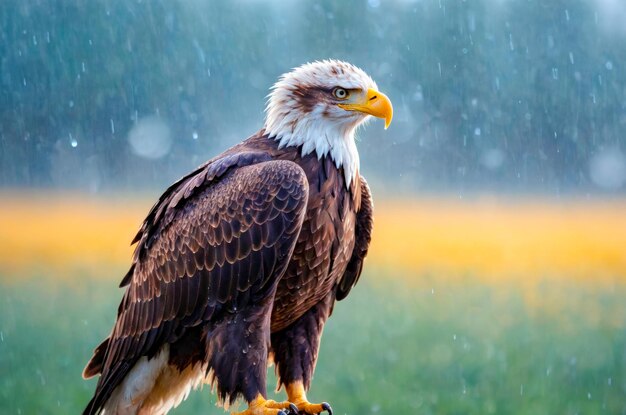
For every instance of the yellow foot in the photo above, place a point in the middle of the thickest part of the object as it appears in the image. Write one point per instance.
(297, 395)
(262, 406)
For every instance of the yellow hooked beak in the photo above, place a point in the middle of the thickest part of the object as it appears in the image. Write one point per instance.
(375, 103)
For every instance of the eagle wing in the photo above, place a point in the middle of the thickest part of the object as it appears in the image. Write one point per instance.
(216, 239)
(362, 236)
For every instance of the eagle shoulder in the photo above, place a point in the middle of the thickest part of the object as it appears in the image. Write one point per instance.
(172, 200)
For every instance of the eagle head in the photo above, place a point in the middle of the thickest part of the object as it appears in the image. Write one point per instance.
(319, 106)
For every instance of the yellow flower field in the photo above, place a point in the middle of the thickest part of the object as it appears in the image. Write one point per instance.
(498, 239)
(487, 238)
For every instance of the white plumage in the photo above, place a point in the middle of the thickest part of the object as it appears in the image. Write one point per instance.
(326, 129)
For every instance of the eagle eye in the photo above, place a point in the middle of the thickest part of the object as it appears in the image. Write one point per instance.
(340, 93)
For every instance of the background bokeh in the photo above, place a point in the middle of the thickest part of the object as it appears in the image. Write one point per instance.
(497, 275)
(515, 96)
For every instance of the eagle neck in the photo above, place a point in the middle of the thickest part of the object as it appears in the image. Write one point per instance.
(336, 143)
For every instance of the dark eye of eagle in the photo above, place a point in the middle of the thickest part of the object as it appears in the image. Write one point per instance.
(340, 93)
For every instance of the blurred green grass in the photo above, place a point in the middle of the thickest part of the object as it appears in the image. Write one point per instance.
(409, 344)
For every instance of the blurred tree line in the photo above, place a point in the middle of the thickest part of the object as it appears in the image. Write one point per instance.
(515, 96)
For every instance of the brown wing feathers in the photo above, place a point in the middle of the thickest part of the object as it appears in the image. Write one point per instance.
(363, 236)
(217, 237)
(167, 206)
(95, 363)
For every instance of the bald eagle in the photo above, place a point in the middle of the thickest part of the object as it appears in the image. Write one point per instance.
(242, 259)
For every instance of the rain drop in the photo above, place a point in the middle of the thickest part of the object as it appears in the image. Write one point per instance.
(42, 378)
(555, 73)
(418, 95)
(194, 135)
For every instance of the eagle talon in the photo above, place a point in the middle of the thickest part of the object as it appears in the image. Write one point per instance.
(262, 406)
(297, 394)
(293, 409)
(307, 408)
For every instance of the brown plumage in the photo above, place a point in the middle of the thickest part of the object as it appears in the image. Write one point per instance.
(242, 258)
